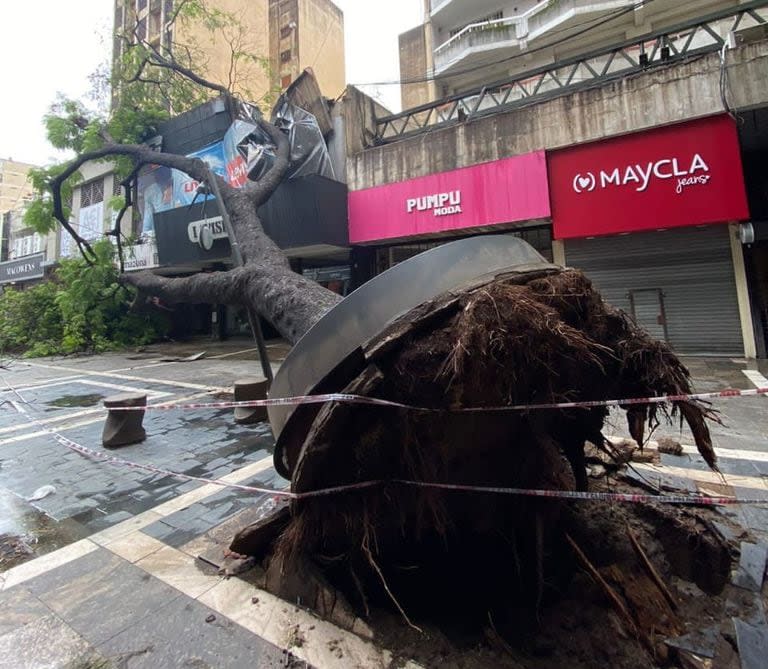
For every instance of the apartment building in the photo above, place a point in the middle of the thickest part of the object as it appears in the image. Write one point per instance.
(290, 35)
(467, 44)
(15, 188)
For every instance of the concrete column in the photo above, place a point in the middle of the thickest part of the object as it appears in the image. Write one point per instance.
(742, 292)
(429, 39)
(558, 252)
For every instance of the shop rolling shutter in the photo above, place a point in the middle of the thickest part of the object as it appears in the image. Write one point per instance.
(693, 269)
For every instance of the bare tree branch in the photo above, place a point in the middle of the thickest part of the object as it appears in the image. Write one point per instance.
(143, 155)
(212, 287)
(260, 191)
(127, 186)
(170, 63)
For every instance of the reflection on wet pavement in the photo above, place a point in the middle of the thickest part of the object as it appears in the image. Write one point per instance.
(26, 532)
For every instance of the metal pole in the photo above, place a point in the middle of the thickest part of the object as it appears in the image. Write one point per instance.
(253, 319)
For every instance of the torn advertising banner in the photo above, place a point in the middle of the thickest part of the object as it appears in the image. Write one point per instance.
(248, 153)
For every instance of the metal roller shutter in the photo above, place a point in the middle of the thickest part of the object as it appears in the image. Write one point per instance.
(686, 272)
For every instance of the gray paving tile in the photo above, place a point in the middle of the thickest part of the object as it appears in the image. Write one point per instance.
(177, 635)
(752, 641)
(19, 607)
(99, 595)
(45, 642)
(751, 569)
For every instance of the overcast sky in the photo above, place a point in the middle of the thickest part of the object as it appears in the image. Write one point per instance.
(47, 46)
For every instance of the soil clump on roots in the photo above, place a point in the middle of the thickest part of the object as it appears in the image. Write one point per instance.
(495, 566)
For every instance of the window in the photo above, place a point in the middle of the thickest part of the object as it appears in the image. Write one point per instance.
(154, 24)
(141, 29)
(141, 4)
(92, 193)
(27, 245)
(285, 32)
(285, 56)
(116, 188)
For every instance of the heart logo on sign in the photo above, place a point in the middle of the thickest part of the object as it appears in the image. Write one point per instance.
(584, 183)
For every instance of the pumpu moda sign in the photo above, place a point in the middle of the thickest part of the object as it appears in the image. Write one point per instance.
(685, 174)
(495, 193)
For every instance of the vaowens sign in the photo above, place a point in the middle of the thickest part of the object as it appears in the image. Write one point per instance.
(23, 269)
(686, 174)
(503, 191)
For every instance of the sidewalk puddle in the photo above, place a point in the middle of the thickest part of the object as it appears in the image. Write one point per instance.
(27, 533)
(76, 401)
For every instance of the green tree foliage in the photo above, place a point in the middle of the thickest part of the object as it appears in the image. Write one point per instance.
(30, 321)
(85, 309)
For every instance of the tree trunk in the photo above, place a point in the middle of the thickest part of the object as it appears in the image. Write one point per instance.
(266, 283)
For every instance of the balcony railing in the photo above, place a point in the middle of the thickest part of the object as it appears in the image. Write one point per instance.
(551, 15)
(478, 36)
(516, 30)
(704, 35)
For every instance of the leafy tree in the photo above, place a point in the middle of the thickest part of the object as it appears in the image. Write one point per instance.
(84, 309)
(30, 321)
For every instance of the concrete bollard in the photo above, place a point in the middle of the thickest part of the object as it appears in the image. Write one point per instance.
(250, 389)
(124, 427)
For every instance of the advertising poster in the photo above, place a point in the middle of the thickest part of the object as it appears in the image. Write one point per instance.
(155, 194)
(185, 187)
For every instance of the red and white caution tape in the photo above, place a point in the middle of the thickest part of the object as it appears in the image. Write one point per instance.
(360, 399)
(335, 490)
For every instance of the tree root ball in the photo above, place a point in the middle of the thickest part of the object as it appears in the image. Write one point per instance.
(531, 338)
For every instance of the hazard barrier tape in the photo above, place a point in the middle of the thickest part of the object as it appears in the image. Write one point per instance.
(334, 490)
(374, 401)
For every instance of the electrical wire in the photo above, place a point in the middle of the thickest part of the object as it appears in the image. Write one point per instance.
(589, 25)
(725, 86)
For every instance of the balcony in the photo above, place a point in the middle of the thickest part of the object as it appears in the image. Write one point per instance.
(478, 38)
(463, 48)
(555, 15)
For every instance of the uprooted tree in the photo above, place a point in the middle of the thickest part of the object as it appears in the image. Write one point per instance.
(518, 338)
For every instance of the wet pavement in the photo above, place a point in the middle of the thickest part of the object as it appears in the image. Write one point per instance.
(118, 579)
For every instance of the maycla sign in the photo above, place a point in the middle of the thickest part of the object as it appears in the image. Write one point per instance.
(23, 269)
(440, 204)
(678, 175)
(684, 173)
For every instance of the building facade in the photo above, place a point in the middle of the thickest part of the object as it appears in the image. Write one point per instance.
(25, 255)
(289, 35)
(640, 162)
(15, 188)
(467, 44)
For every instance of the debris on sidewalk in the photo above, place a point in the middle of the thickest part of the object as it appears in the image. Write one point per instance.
(41, 493)
(669, 446)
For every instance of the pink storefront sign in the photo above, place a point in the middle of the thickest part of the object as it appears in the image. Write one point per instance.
(503, 191)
